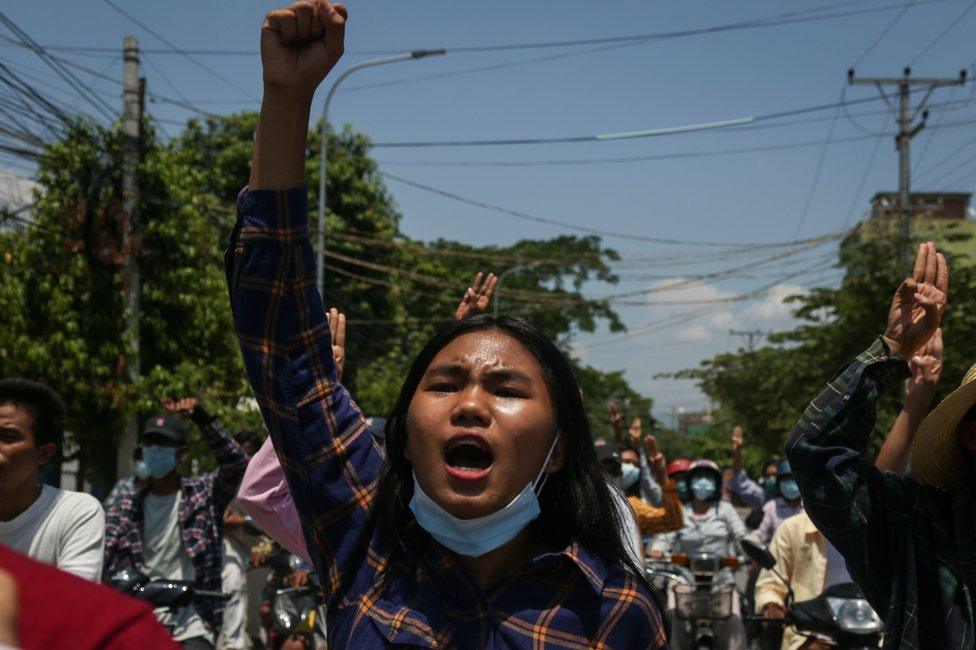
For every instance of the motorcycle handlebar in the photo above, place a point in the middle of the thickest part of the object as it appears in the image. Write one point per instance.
(203, 594)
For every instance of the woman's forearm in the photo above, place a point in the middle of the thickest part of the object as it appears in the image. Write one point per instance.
(279, 148)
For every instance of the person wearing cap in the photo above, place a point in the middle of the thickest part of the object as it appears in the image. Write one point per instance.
(907, 540)
(55, 526)
(173, 528)
(786, 505)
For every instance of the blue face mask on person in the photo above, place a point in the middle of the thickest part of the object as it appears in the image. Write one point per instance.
(141, 470)
(703, 487)
(629, 473)
(475, 537)
(159, 460)
(789, 489)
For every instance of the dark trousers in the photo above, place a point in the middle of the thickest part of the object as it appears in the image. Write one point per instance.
(197, 643)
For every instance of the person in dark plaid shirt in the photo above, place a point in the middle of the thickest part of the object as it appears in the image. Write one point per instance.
(173, 527)
(488, 444)
(907, 540)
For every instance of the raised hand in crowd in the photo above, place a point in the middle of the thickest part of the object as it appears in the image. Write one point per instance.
(337, 329)
(926, 367)
(616, 422)
(299, 46)
(183, 407)
(656, 458)
(477, 298)
(635, 432)
(737, 439)
(917, 307)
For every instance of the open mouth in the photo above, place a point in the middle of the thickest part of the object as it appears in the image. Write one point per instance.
(468, 457)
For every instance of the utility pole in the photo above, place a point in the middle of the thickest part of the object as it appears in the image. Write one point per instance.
(906, 131)
(133, 101)
(750, 336)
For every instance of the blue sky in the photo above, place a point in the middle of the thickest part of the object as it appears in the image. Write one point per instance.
(754, 197)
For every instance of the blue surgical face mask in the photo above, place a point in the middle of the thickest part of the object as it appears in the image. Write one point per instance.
(629, 473)
(141, 470)
(475, 537)
(703, 487)
(159, 460)
(682, 489)
(789, 489)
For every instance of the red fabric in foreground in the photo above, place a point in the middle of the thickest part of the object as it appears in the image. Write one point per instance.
(59, 610)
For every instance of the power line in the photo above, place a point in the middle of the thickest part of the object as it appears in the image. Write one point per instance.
(184, 54)
(816, 175)
(864, 176)
(952, 24)
(586, 229)
(708, 126)
(794, 17)
(883, 33)
(71, 79)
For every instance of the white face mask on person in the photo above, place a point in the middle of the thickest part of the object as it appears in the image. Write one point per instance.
(475, 537)
(704, 487)
(629, 473)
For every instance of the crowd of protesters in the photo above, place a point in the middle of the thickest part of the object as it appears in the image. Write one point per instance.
(480, 512)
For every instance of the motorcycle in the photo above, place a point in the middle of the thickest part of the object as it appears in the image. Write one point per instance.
(170, 594)
(702, 589)
(294, 610)
(840, 615)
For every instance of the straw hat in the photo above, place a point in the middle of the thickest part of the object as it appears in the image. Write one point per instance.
(937, 456)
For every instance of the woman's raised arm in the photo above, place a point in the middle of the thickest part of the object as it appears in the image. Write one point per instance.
(329, 459)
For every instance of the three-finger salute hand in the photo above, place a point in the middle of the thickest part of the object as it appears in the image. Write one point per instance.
(337, 328)
(917, 308)
(478, 296)
(659, 464)
(300, 44)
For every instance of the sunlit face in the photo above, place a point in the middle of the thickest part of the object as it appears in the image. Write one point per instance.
(480, 424)
(20, 457)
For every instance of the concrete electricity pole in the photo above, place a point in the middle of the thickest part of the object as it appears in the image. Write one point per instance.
(905, 133)
(133, 101)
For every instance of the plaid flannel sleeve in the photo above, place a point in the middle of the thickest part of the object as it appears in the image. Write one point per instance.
(852, 502)
(231, 459)
(328, 457)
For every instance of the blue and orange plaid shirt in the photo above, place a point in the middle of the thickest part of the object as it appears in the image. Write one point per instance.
(570, 599)
(203, 500)
(907, 546)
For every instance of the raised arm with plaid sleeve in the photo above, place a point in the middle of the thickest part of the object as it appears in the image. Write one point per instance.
(331, 462)
(901, 541)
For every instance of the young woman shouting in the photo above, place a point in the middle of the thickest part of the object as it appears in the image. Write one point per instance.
(489, 524)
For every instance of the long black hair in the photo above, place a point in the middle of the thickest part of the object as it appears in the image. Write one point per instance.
(576, 503)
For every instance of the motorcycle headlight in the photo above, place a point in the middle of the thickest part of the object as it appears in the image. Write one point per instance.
(855, 616)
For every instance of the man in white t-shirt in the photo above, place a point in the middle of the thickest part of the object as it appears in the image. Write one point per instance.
(59, 527)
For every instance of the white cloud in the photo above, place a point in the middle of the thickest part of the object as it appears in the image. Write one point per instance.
(693, 333)
(772, 307)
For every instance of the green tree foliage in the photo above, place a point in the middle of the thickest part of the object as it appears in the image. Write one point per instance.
(61, 291)
(766, 391)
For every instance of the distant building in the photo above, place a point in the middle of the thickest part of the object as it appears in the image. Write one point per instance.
(924, 205)
(691, 423)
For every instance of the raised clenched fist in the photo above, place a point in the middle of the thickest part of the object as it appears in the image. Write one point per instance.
(300, 44)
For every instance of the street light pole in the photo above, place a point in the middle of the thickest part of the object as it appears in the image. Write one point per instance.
(323, 131)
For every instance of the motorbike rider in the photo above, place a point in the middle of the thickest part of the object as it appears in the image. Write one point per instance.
(711, 526)
(677, 470)
(780, 508)
(809, 563)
